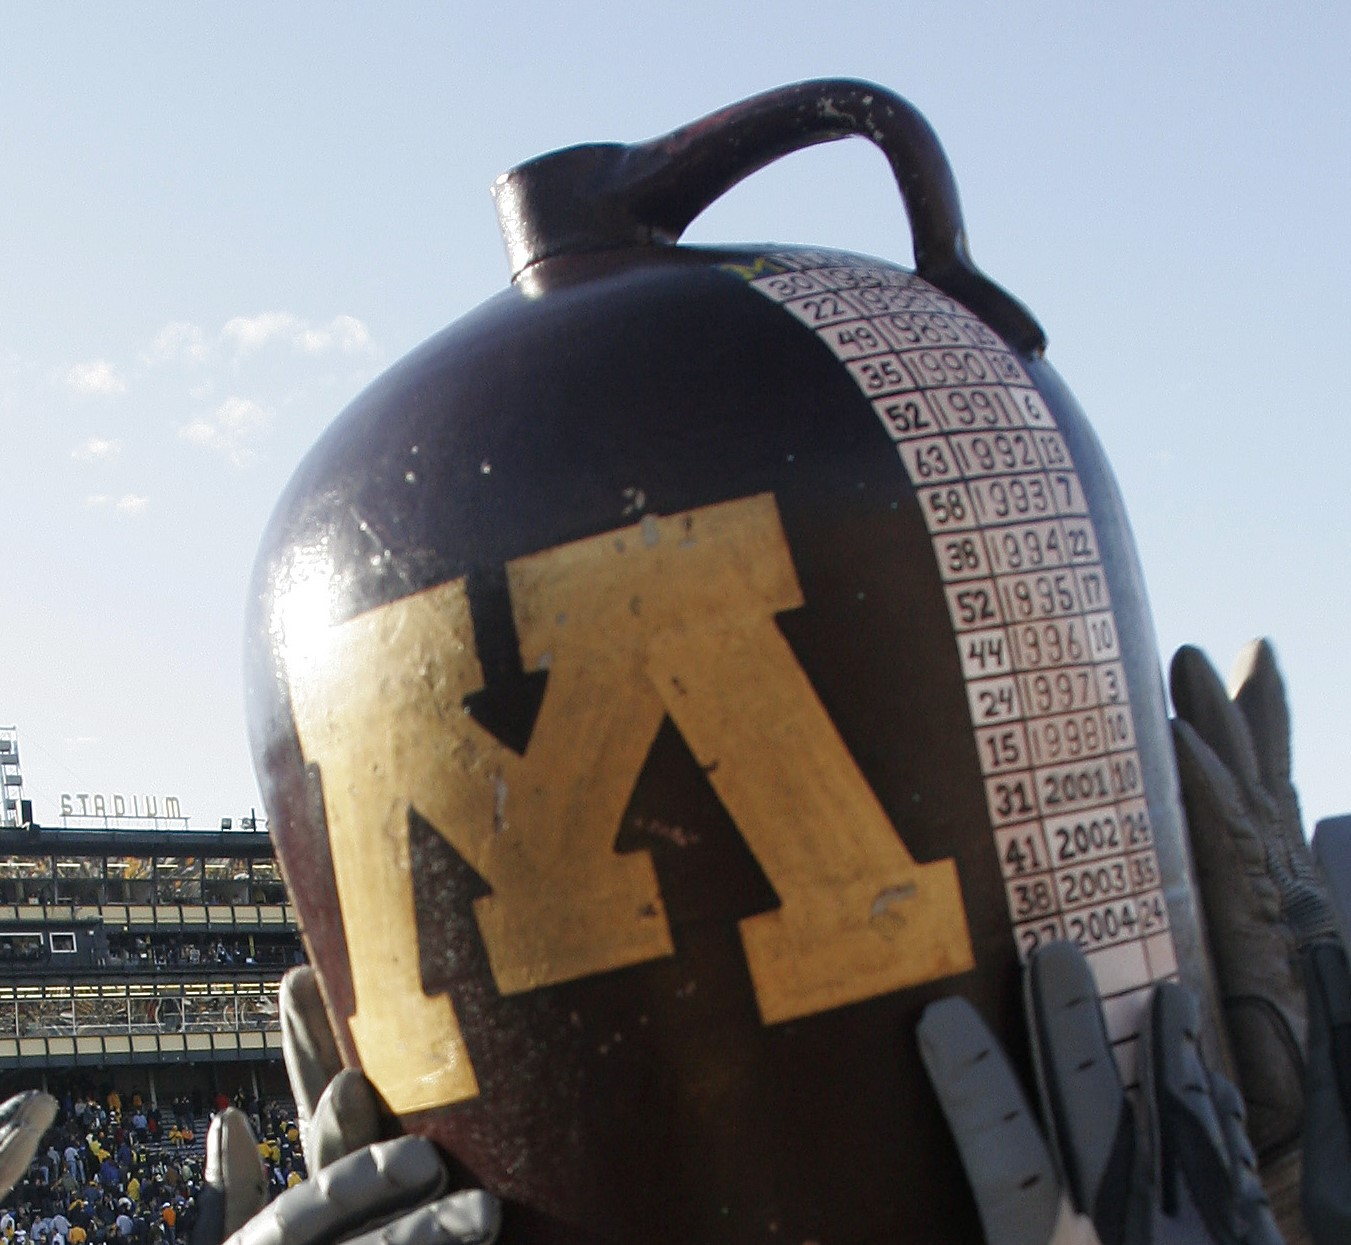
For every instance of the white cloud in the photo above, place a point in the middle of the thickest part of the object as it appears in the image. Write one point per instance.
(128, 503)
(230, 430)
(241, 337)
(98, 376)
(342, 334)
(345, 334)
(248, 333)
(96, 449)
(182, 341)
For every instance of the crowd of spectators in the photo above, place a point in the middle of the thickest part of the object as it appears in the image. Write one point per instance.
(177, 950)
(117, 1169)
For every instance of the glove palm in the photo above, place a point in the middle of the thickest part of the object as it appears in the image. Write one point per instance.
(1093, 1180)
(368, 1185)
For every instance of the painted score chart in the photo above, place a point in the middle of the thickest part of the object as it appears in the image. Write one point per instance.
(1030, 609)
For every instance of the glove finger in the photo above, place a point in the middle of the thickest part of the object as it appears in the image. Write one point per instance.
(1218, 815)
(23, 1120)
(307, 1041)
(470, 1217)
(234, 1166)
(1191, 1142)
(1207, 1166)
(1260, 696)
(350, 1114)
(1010, 1170)
(1201, 700)
(1327, 1118)
(1255, 1212)
(1332, 854)
(1092, 1124)
(352, 1195)
(1275, 860)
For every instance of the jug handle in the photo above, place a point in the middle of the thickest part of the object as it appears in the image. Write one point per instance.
(603, 195)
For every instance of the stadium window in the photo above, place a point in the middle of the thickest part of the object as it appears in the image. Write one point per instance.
(21, 948)
(178, 879)
(130, 880)
(267, 884)
(79, 880)
(26, 879)
(227, 880)
(11, 879)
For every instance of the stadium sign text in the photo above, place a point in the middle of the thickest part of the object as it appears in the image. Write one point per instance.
(84, 805)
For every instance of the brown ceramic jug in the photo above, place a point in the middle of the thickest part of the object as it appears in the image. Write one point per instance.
(676, 673)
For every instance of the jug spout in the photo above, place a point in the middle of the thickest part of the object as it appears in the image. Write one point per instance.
(567, 201)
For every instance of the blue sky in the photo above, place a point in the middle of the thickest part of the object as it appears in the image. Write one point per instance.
(219, 222)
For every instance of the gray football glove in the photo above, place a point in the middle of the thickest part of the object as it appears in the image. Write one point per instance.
(388, 1193)
(339, 1109)
(23, 1120)
(234, 1187)
(366, 1185)
(1327, 1123)
(1096, 1178)
(1262, 895)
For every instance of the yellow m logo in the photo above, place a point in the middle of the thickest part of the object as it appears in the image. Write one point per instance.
(670, 617)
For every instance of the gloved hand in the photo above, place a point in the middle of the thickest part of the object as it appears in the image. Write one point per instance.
(1194, 1182)
(387, 1193)
(340, 1110)
(1327, 1122)
(1261, 893)
(366, 1185)
(234, 1187)
(1327, 1082)
(23, 1120)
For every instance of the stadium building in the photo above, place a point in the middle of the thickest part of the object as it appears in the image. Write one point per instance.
(136, 952)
